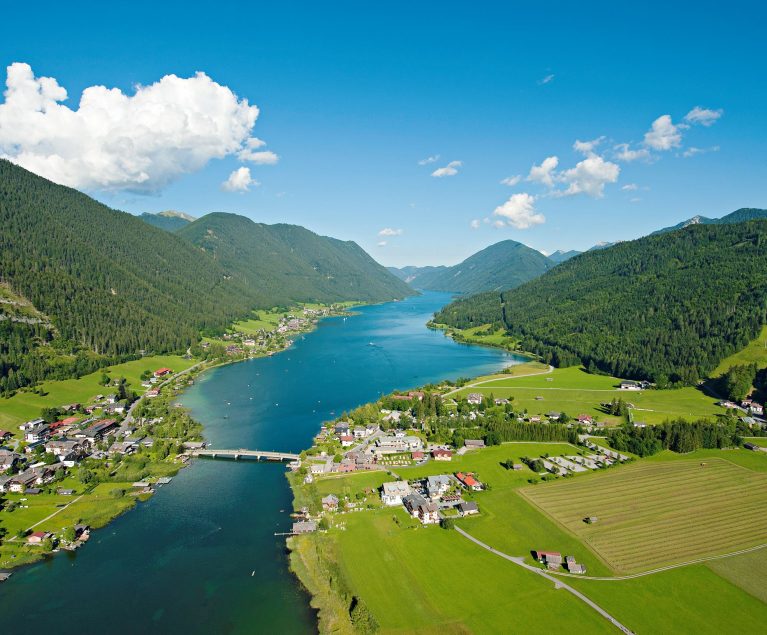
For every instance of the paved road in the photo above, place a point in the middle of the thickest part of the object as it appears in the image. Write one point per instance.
(557, 583)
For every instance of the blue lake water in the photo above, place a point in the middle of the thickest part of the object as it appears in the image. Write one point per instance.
(201, 555)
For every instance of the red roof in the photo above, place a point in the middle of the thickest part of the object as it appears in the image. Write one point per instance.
(548, 553)
(467, 479)
(39, 534)
(346, 437)
(162, 371)
(417, 454)
(441, 452)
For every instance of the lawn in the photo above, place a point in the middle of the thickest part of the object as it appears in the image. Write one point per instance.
(653, 514)
(574, 391)
(748, 571)
(261, 321)
(26, 405)
(435, 581)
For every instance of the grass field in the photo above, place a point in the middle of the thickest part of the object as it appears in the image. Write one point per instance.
(429, 580)
(26, 405)
(754, 353)
(262, 320)
(656, 514)
(747, 571)
(574, 391)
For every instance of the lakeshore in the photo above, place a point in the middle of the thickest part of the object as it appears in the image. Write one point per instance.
(204, 546)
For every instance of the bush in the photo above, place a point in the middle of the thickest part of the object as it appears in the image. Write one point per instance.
(447, 523)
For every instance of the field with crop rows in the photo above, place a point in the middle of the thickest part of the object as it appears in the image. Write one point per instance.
(655, 514)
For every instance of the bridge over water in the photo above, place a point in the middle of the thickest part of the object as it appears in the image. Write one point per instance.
(242, 453)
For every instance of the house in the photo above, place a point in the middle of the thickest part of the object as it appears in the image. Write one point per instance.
(474, 398)
(468, 481)
(62, 448)
(418, 455)
(341, 429)
(576, 568)
(304, 527)
(161, 372)
(8, 460)
(4, 480)
(474, 443)
(416, 394)
(122, 447)
(554, 416)
(317, 468)
(630, 385)
(549, 557)
(360, 432)
(347, 465)
(19, 483)
(437, 485)
(442, 455)
(468, 508)
(501, 402)
(330, 503)
(756, 409)
(397, 445)
(38, 433)
(65, 492)
(38, 537)
(535, 418)
(4, 435)
(587, 419)
(393, 493)
(96, 431)
(149, 394)
(31, 424)
(346, 440)
(418, 507)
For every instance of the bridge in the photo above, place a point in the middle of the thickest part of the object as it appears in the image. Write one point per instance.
(246, 454)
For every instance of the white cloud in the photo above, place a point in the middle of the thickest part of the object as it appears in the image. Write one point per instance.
(519, 211)
(630, 187)
(546, 80)
(589, 177)
(388, 231)
(382, 243)
(626, 154)
(427, 160)
(511, 181)
(636, 199)
(587, 147)
(451, 169)
(544, 173)
(266, 157)
(239, 181)
(474, 224)
(663, 134)
(113, 141)
(692, 151)
(703, 116)
(498, 224)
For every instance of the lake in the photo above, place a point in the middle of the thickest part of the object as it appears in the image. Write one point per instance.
(201, 556)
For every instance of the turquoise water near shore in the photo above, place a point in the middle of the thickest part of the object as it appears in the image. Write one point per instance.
(201, 555)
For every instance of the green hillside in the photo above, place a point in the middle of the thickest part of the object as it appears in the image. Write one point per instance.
(504, 265)
(84, 285)
(738, 216)
(667, 307)
(286, 263)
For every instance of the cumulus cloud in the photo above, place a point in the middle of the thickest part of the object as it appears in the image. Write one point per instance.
(432, 159)
(519, 211)
(589, 177)
(624, 153)
(388, 231)
(663, 134)
(239, 181)
(703, 116)
(546, 80)
(451, 169)
(511, 181)
(116, 141)
(587, 147)
(544, 173)
(474, 224)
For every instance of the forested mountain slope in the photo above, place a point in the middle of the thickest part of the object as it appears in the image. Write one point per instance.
(504, 265)
(664, 307)
(169, 220)
(287, 263)
(738, 216)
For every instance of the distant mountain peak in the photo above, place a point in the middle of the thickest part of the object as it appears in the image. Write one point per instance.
(172, 213)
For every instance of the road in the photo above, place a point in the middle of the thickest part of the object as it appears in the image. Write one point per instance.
(129, 414)
(504, 378)
(557, 583)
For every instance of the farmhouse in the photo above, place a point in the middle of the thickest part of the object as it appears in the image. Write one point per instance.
(442, 455)
(468, 481)
(630, 385)
(347, 440)
(161, 372)
(474, 443)
(392, 493)
(474, 398)
(304, 527)
(38, 537)
(468, 508)
(549, 557)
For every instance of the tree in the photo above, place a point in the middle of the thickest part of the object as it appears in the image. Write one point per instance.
(69, 534)
(447, 523)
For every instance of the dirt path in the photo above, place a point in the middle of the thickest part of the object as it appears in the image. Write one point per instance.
(490, 381)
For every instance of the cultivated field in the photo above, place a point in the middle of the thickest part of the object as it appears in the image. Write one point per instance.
(655, 514)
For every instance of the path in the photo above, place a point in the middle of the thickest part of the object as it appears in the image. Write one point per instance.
(58, 511)
(557, 583)
(504, 378)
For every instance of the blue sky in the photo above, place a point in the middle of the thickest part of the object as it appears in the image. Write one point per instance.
(353, 95)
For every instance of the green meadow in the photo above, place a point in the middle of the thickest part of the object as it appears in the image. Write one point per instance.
(27, 405)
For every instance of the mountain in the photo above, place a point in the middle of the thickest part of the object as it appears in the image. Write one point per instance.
(504, 265)
(168, 220)
(284, 264)
(411, 273)
(738, 216)
(87, 283)
(560, 256)
(664, 307)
